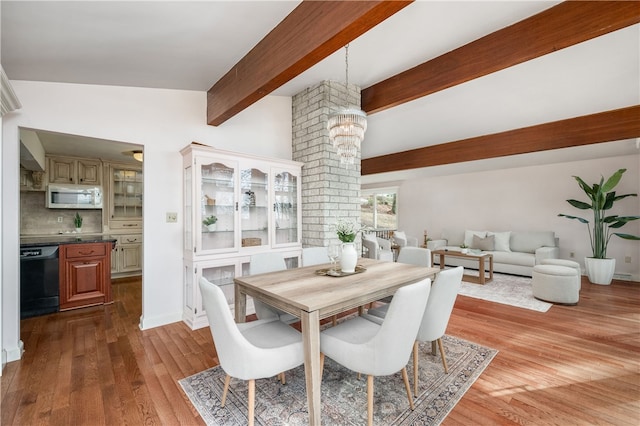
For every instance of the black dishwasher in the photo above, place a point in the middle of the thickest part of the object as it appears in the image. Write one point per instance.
(39, 289)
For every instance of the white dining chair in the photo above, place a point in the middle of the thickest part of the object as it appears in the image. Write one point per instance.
(314, 256)
(444, 292)
(415, 256)
(262, 263)
(379, 349)
(252, 350)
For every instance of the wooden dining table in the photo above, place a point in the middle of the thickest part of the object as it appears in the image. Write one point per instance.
(311, 297)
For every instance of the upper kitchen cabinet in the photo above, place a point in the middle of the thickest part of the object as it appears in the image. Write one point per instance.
(239, 203)
(125, 197)
(75, 170)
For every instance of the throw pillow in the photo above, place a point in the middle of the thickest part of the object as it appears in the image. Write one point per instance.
(501, 240)
(484, 244)
(468, 236)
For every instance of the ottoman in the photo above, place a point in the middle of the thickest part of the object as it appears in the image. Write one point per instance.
(556, 284)
(563, 262)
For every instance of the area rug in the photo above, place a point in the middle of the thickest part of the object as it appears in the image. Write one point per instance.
(507, 289)
(344, 396)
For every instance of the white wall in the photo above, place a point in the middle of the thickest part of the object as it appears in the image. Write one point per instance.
(164, 121)
(526, 198)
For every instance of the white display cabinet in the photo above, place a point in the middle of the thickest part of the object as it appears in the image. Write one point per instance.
(256, 205)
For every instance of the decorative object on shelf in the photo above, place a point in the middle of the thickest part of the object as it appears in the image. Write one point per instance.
(210, 201)
(77, 222)
(210, 223)
(599, 268)
(251, 198)
(347, 232)
(347, 126)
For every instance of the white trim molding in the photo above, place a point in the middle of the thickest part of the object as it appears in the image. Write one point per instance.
(10, 101)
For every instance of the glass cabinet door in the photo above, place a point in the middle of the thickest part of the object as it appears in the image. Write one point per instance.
(127, 193)
(254, 210)
(217, 205)
(285, 208)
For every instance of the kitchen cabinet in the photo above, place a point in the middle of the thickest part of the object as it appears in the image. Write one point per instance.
(75, 170)
(256, 203)
(85, 275)
(125, 197)
(126, 257)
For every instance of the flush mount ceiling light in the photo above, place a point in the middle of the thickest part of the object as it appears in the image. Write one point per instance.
(137, 155)
(347, 126)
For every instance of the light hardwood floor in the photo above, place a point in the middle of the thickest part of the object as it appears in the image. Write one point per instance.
(571, 365)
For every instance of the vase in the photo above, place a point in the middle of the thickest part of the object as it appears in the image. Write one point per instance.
(78, 230)
(599, 271)
(211, 227)
(349, 258)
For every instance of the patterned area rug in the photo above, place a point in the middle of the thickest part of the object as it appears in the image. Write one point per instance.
(506, 289)
(344, 396)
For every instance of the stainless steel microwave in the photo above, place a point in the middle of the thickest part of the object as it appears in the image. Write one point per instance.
(74, 197)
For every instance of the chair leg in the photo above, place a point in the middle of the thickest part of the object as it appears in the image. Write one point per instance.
(321, 364)
(369, 400)
(405, 378)
(415, 367)
(283, 378)
(251, 402)
(433, 347)
(444, 360)
(226, 389)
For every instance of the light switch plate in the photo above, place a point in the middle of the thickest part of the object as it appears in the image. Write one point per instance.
(172, 217)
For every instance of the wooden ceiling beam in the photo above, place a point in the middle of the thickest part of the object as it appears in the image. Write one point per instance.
(310, 33)
(606, 126)
(564, 25)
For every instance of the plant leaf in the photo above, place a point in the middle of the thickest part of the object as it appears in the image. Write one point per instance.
(613, 180)
(627, 236)
(579, 204)
(574, 217)
(586, 188)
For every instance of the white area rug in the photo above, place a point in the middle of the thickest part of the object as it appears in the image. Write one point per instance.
(506, 289)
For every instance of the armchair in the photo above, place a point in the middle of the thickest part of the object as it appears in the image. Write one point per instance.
(402, 240)
(377, 248)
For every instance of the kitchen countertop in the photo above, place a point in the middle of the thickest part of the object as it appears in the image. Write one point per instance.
(50, 240)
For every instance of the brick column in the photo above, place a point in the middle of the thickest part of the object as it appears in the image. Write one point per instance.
(329, 189)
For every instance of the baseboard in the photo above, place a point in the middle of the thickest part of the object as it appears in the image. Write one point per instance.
(158, 321)
(13, 354)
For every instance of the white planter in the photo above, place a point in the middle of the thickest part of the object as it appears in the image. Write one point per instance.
(348, 258)
(211, 227)
(78, 230)
(599, 271)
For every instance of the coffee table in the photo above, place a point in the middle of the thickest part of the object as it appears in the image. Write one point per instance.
(480, 257)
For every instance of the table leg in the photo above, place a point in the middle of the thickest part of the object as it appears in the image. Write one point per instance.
(310, 325)
(481, 269)
(491, 268)
(442, 261)
(240, 301)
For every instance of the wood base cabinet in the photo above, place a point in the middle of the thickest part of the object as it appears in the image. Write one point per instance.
(85, 275)
(126, 257)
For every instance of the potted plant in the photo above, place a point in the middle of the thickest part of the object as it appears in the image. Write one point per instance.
(599, 268)
(77, 222)
(210, 222)
(464, 249)
(347, 232)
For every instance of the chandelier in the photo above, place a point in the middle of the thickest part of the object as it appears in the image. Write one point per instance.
(347, 126)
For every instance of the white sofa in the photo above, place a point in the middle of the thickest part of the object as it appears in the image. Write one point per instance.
(514, 252)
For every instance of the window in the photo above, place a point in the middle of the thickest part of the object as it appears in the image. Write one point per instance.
(378, 208)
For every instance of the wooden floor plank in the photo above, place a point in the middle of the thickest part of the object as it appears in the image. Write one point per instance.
(570, 365)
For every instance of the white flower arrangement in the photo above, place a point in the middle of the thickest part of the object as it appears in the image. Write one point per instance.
(347, 230)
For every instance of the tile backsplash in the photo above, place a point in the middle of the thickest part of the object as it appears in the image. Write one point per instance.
(36, 219)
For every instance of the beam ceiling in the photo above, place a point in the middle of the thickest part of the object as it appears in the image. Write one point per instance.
(313, 31)
(561, 26)
(606, 126)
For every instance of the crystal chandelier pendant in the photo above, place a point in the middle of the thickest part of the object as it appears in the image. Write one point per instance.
(347, 127)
